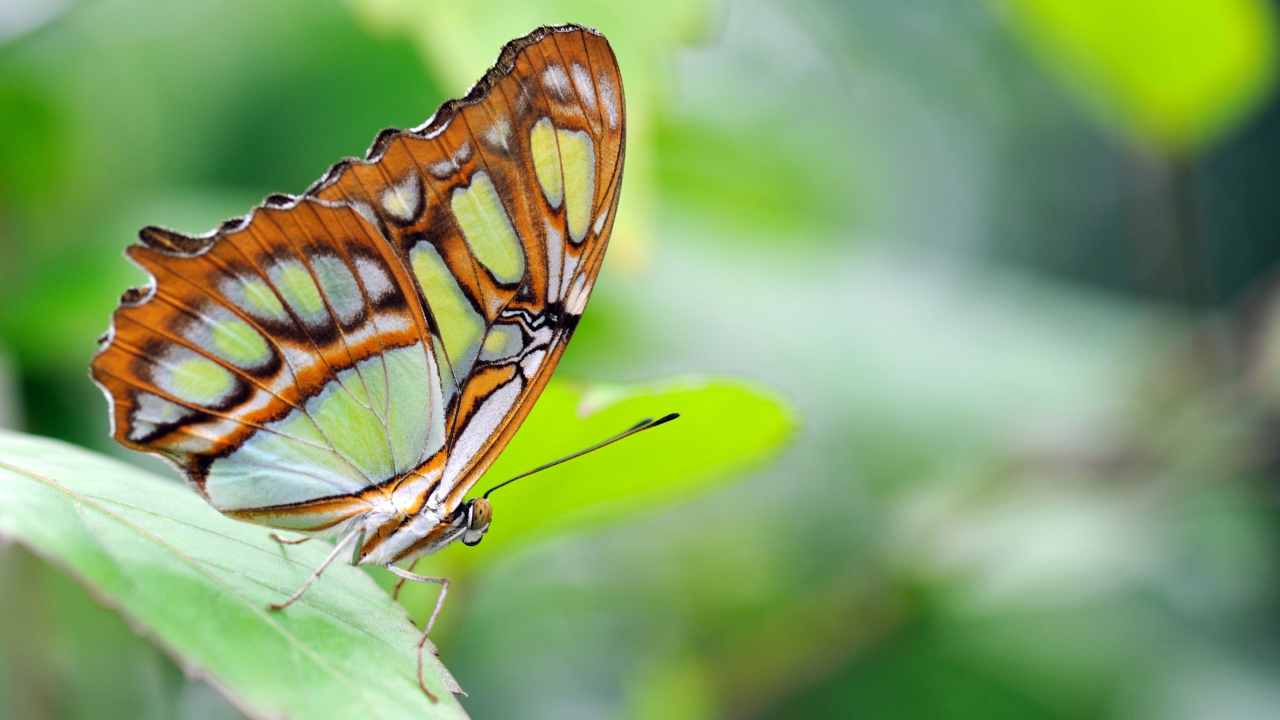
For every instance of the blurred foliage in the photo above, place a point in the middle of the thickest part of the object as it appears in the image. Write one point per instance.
(71, 657)
(724, 428)
(1174, 73)
(1012, 263)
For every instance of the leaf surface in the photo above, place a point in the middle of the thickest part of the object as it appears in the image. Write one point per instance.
(198, 584)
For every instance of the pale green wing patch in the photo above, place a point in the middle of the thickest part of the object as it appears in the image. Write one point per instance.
(341, 410)
(461, 327)
(289, 462)
(337, 445)
(487, 228)
(194, 378)
(235, 341)
(578, 163)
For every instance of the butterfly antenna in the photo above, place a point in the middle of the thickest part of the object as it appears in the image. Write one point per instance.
(641, 426)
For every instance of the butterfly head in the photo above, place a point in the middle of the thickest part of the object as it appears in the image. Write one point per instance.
(479, 513)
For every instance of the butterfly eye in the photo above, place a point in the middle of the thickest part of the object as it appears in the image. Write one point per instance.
(479, 514)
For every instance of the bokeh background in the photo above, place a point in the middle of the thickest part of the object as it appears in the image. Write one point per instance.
(1010, 262)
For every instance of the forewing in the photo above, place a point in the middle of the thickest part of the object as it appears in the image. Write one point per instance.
(519, 181)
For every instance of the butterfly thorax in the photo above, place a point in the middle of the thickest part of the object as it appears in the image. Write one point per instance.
(403, 538)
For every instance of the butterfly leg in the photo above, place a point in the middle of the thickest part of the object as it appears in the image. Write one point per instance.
(395, 591)
(285, 541)
(431, 621)
(315, 574)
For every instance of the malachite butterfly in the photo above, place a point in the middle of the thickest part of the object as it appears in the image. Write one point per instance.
(349, 361)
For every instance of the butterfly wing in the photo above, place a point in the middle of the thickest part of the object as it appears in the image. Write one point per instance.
(277, 362)
(372, 345)
(520, 180)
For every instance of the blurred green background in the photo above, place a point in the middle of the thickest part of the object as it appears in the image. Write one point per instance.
(1012, 263)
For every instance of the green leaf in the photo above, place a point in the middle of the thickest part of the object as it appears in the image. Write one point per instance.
(1176, 73)
(724, 427)
(198, 584)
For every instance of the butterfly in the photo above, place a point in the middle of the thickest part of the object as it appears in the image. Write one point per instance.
(349, 361)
